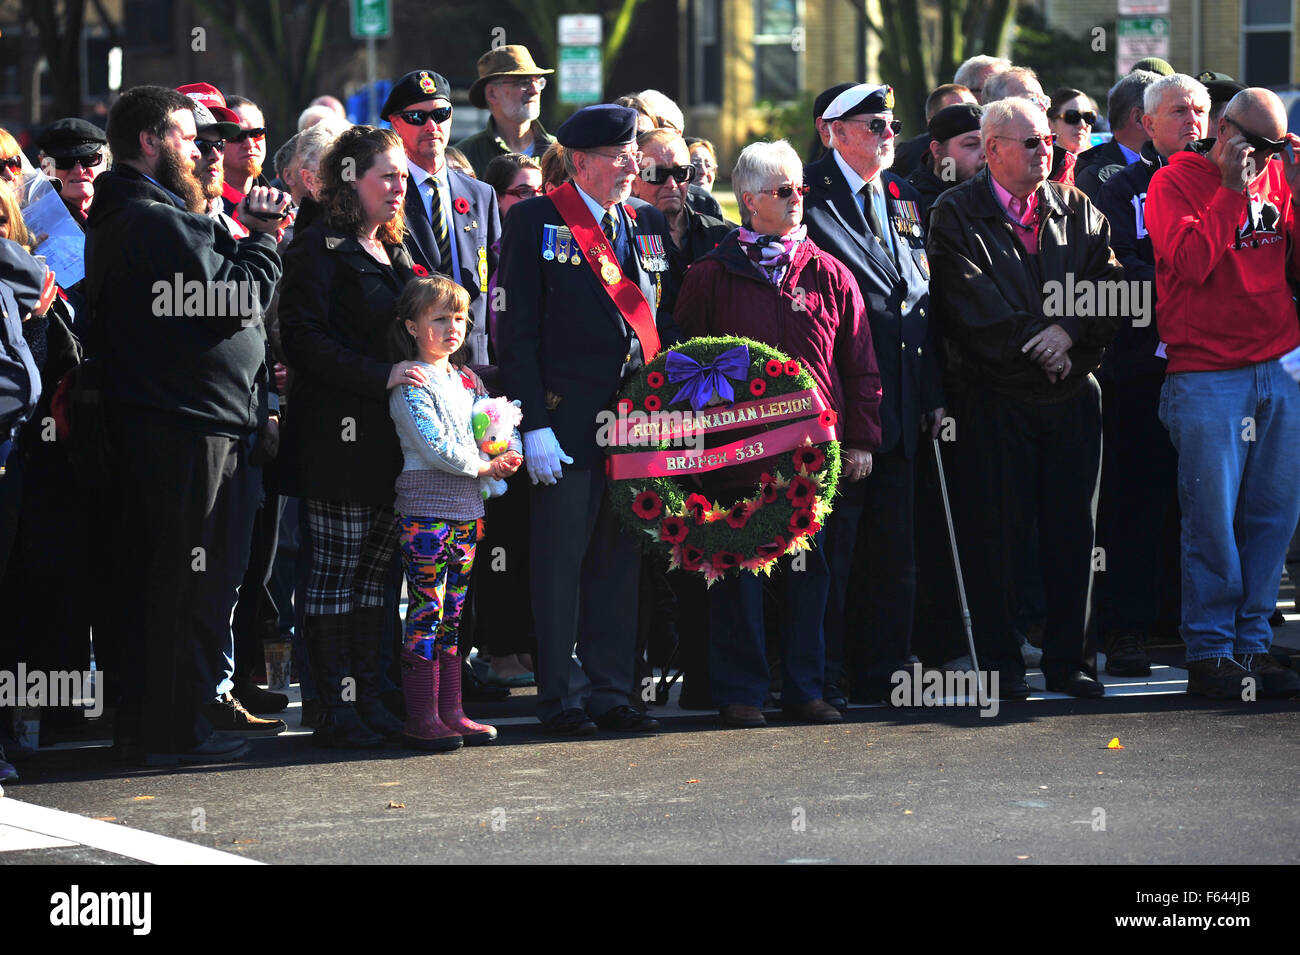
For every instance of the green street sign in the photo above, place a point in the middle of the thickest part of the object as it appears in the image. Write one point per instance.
(371, 18)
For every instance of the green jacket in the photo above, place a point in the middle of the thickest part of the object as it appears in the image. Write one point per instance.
(481, 148)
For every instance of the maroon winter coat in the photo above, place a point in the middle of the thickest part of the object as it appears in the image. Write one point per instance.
(726, 294)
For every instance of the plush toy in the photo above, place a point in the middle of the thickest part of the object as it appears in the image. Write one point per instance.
(495, 421)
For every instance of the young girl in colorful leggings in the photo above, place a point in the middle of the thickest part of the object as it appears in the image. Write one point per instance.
(439, 509)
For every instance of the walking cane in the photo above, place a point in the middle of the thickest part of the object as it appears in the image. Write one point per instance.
(956, 563)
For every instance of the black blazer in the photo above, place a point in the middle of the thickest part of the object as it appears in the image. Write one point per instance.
(897, 295)
(475, 232)
(337, 305)
(560, 333)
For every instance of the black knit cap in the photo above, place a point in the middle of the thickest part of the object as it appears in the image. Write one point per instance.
(954, 120)
(416, 87)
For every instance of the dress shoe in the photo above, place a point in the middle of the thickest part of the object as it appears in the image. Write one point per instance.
(231, 717)
(570, 723)
(1126, 655)
(835, 696)
(814, 711)
(1078, 684)
(215, 749)
(1274, 679)
(624, 719)
(258, 700)
(1014, 689)
(742, 715)
(474, 690)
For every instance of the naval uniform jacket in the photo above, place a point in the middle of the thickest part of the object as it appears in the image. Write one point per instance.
(564, 347)
(896, 293)
(474, 232)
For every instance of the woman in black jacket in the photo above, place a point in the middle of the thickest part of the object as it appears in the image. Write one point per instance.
(342, 279)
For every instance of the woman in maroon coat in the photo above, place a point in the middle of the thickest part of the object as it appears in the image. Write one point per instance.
(768, 281)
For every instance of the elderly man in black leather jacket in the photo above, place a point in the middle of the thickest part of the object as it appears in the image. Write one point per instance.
(1011, 257)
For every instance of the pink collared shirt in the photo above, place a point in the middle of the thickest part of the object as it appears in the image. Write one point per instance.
(1021, 211)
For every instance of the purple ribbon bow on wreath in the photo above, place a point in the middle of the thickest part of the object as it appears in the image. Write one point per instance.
(703, 381)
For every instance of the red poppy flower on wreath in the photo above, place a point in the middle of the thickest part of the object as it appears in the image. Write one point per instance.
(809, 459)
(673, 530)
(774, 368)
(698, 506)
(792, 368)
(827, 418)
(724, 560)
(757, 387)
(770, 490)
(652, 403)
(460, 205)
(801, 492)
(647, 505)
(803, 521)
(775, 549)
(738, 514)
(624, 405)
(419, 270)
(655, 379)
(691, 557)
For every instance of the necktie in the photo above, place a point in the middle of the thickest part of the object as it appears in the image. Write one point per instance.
(439, 223)
(607, 226)
(872, 204)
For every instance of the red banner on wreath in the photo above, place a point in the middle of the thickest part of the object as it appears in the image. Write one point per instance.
(650, 427)
(671, 463)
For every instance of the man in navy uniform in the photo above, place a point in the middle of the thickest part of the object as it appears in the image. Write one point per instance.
(452, 220)
(870, 220)
(582, 271)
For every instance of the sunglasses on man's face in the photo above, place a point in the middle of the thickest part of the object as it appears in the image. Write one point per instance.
(418, 117)
(87, 162)
(209, 146)
(658, 175)
(1265, 147)
(257, 132)
(878, 124)
(12, 163)
(1031, 142)
(1073, 117)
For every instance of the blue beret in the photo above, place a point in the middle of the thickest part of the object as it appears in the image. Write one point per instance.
(416, 87)
(595, 126)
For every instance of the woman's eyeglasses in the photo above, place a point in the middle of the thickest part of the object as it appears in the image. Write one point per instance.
(12, 163)
(523, 192)
(1073, 117)
(418, 117)
(208, 146)
(784, 192)
(658, 175)
(1032, 141)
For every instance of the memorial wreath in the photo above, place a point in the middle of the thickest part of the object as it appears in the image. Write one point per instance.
(702, 389)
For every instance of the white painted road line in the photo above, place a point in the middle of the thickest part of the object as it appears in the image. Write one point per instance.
(111, 837)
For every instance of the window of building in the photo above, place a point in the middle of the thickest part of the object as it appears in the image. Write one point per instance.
(778, 49)
(1266, 42)
(706, 52)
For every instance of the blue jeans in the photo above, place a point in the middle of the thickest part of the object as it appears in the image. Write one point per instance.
(1237, 434)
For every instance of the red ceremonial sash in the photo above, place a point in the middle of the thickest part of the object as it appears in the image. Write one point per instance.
(624, 292)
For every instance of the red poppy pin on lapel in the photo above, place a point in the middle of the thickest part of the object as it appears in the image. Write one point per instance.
(893, 189)
(462, 206)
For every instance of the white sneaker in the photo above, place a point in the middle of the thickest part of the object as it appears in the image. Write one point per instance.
(1032, 656)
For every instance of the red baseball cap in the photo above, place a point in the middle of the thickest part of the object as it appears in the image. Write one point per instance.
(204, 93)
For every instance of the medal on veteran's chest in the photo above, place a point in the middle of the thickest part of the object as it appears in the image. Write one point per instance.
(548, 242)
(565, 240)
(651, 248)
(609, 273)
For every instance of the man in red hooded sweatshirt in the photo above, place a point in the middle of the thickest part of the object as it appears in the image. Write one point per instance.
(1224, 230)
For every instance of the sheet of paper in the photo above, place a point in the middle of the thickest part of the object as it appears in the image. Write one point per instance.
(64, 247)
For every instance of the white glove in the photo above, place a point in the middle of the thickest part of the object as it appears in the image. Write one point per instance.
(542, 455)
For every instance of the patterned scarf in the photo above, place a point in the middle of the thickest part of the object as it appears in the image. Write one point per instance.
(772, 253)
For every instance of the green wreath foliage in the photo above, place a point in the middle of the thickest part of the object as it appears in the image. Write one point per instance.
(786, 509)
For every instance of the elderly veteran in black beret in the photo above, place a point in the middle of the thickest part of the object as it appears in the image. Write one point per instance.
(510, 85)
(823, 141)
(583, 274)
(452, 219)
(72, 152)
(955, 154)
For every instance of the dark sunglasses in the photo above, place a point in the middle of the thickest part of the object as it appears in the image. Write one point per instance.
(1073, 117)
(658, 175)
(13, 163)
(1032, 142)
(208, 146)
(418, 117)
(784, 192)
(1265, 147)
(257, 132)
(878, 124)
(87, 162)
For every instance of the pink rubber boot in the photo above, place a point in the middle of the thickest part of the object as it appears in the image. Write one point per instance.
(450, 707)
(420, 686)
